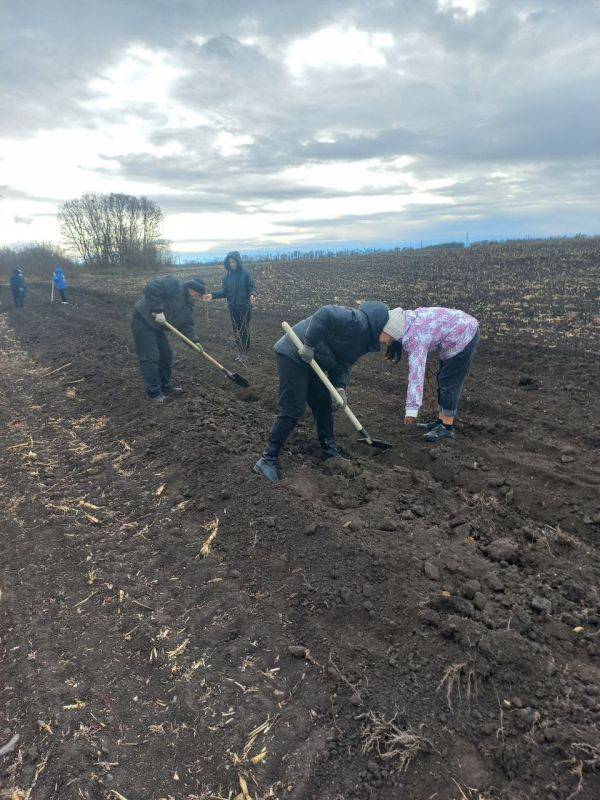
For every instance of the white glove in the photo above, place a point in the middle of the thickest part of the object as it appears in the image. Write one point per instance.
(344, 396)
(160, 318)
(306, 353)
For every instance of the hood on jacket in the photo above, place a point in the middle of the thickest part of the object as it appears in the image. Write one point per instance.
(378, 315)
(233, 254)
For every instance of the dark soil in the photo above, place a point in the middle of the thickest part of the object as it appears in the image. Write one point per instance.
(424, 625)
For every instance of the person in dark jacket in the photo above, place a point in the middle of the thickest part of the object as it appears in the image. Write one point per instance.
(238, 289)
(336, 337)
(60, 283)
(18, 287)
(163, 299)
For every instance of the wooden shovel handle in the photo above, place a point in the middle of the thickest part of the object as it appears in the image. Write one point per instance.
(197, 347)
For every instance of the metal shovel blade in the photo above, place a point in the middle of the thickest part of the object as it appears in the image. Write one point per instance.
(378, 444)
(237, 378)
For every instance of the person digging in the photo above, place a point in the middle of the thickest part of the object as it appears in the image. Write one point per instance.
(59, 279)
(336, 337)
(239, 291)
(455, 336)
(164, 299)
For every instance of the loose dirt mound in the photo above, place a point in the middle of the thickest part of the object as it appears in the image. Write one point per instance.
(424, 626)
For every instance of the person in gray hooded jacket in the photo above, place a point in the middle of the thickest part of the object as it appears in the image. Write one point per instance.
(164, 299)
(336, 337)
(239, 291)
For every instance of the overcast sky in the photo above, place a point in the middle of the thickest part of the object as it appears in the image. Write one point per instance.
(283, 123)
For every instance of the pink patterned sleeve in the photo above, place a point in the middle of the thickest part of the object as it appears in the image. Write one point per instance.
(417, 361)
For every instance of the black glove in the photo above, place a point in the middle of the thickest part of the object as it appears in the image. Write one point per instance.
(393, 351)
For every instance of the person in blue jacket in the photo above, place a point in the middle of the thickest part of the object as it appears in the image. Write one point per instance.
(60, 283)
(164, 299)
(18, 286)
(336, 337)
(238, 289)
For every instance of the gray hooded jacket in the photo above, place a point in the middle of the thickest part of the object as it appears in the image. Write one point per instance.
(238, 284)
(339, 336)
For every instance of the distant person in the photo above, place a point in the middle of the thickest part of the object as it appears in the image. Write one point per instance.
(165, 299)
(60, 283)
(238, 289)
(336, 337)
(455, 336)
(18, 287)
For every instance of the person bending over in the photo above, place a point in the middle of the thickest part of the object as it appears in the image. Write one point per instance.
(165, 299)
(336, 337)
(455, 336)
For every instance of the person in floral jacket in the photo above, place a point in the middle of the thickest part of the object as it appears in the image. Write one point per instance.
(455, 336)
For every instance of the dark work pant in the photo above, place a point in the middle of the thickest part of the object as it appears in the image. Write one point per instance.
(154, 353)
(298, 385)
(240, 319)
(19, 299)
(63, 295)
(451, 377)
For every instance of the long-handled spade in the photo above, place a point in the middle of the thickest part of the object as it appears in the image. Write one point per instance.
(364, 434)
(233, 376)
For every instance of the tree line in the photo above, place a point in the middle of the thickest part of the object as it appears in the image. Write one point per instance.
(39, 259)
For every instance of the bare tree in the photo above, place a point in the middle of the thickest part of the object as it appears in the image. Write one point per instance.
(114, 230)
(38, 259)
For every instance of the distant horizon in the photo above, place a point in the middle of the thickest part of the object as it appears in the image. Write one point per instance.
(334, 248)
(182, 257)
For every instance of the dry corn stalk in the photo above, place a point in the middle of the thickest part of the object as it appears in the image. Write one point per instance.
(244, 787)
(213, 527)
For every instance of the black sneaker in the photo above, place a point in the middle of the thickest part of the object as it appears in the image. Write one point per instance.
(428, 426)
(438, 433)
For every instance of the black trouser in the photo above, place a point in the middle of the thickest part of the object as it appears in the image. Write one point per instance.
(19, 298)
(298, 385)
(240, 319)
(155, 355)
(451, 377)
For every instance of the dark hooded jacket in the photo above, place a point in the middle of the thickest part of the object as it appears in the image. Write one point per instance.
(238, 284)
(17, 282)
(339, 336)
(170, 296)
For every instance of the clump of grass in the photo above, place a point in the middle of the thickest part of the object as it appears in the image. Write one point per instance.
(459, 677)
(391, 742)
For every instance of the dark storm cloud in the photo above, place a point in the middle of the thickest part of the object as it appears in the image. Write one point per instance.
(513, 90)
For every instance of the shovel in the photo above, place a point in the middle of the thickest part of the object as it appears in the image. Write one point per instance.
(233, 376)
(364, 434)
